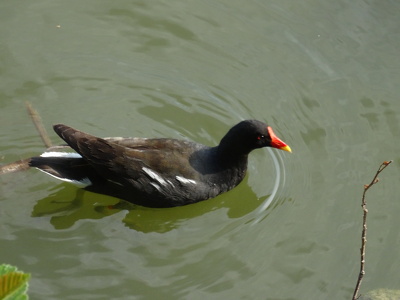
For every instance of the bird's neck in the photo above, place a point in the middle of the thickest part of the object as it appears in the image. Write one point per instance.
(231, 157)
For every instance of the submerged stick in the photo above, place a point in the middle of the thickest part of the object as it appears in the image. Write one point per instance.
(364, 230)
(23, 164)
(37, 121)
(19, 165)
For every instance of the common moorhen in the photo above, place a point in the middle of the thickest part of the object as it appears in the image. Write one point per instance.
(157, 172)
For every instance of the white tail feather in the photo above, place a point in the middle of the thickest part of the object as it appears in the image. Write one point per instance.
(81, 183)
(61, 154)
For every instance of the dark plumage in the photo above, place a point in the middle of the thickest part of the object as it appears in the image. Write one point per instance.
(157, 172)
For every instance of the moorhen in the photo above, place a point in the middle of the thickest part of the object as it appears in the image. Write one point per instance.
(157, 172)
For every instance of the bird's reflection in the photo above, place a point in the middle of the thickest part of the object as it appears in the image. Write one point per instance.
(67, 205)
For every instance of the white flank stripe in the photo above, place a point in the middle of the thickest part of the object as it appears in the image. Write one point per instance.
(155, 185)
(61, 154)
(185, 180)
(157, 177)
(154, 175)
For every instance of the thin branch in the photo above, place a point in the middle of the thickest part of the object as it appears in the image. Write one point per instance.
(37, 121)
(19, 165)
(23, 164)
(364, 230)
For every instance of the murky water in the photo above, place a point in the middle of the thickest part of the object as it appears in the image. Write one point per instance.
(323, 74)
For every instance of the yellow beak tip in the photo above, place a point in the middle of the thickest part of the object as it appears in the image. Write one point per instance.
(286, 148)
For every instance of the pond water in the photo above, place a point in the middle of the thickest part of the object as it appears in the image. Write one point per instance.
(324, 74)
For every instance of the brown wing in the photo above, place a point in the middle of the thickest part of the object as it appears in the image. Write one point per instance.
(116, 158)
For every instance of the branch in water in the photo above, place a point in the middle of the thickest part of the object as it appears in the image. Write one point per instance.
(23, 164)
(364, 230)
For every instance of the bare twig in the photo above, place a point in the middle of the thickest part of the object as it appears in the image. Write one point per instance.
(19, 165)
(364, 230)
(23, 164)
(37, 121)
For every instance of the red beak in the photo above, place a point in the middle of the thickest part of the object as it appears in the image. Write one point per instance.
(277, 142)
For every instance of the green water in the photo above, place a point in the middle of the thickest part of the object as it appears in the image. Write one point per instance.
(324, 74)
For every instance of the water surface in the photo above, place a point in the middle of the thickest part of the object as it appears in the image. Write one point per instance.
(323, 74)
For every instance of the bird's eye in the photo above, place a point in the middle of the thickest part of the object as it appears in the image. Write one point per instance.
(260, 137)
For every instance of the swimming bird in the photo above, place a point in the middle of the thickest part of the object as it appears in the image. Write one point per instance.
(157, 172)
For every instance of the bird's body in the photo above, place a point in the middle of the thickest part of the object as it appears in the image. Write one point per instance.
(156, 172)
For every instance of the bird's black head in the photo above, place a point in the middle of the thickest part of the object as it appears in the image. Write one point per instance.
(248, 135)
